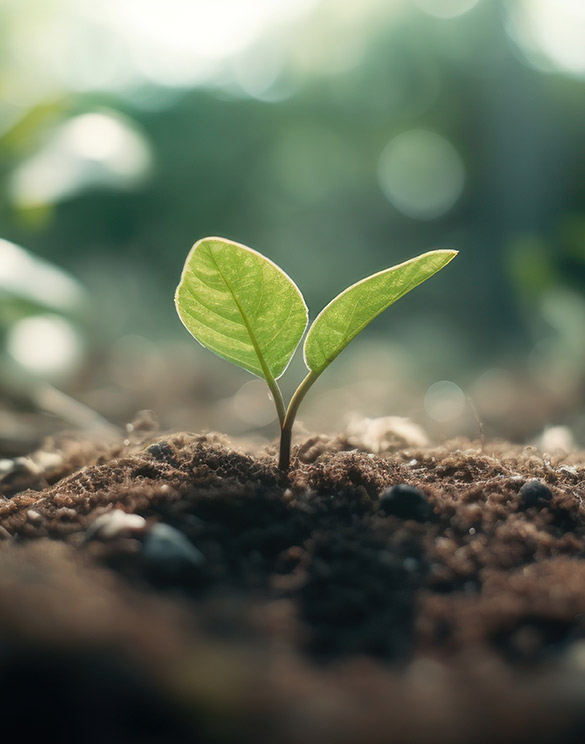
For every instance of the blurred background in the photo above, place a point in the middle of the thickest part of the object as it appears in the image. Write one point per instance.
(337, 138)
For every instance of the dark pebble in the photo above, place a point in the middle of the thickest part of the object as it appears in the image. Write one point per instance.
(169, 556)
(406, 502)
(162, 451)
(534, 493)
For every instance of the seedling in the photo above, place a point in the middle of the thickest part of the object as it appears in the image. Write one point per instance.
(243, 307)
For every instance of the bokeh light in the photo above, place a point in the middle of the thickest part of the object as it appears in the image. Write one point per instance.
(46, 345)
(550, 33)
(421, 174)
(92, 149)
(252, 404)
(30, 278)
(445, 401)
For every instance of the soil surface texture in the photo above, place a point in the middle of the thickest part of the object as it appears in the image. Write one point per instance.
(179, 588)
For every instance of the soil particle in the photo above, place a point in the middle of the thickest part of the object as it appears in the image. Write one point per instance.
(534, 493)
(331, 605)
(406, 502)
(163, 451)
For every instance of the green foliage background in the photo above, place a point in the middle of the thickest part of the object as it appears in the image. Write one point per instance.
(296, 178)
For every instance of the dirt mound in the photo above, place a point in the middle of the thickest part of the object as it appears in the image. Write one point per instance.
(177, 589)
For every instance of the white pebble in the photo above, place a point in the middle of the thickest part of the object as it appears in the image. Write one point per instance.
(114, 524)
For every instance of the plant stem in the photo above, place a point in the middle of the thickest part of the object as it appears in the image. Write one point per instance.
(277, 398)
(284, 454)
(289, 418)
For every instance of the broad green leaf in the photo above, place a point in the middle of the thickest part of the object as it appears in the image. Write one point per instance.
(351, 311)
(241, 306)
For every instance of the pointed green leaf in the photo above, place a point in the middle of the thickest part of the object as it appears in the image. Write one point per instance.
(351, 311)
(240, 305)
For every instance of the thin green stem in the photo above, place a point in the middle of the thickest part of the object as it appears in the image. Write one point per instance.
(278, 399)
(289, 419)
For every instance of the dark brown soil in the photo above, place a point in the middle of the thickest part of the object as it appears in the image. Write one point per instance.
(416, 595)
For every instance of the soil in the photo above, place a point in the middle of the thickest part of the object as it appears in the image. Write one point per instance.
(178, 588)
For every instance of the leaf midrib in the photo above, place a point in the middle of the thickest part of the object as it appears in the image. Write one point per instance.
(267, 373)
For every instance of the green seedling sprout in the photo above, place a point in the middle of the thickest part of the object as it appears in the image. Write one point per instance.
(243, 307)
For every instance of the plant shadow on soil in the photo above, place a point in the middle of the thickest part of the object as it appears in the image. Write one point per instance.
(174, 588)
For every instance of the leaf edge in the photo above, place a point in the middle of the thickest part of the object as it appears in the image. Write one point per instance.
(451, 253)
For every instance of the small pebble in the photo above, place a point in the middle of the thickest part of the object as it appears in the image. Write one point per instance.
(169, 555)
(116, 523)
(534, 493)
(406, 502)
(161, 451)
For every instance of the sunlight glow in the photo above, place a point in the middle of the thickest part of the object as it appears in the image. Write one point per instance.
(120, 45)
(182, 42)
(550, 33)
(91, 149)
(256, 72)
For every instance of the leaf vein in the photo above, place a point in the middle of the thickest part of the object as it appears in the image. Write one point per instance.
(238, 339)
(208, 307)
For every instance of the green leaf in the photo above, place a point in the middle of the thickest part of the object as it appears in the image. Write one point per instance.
(351, 311)
(241, 306)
